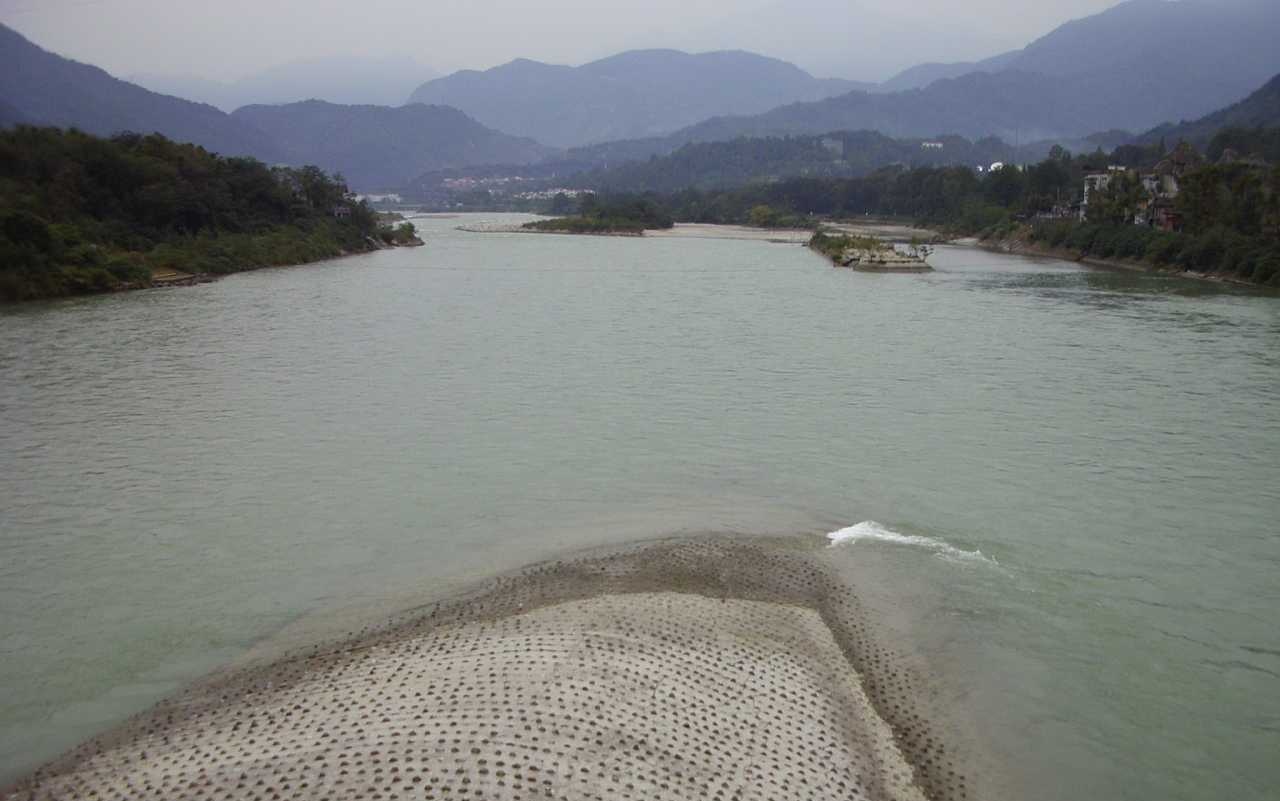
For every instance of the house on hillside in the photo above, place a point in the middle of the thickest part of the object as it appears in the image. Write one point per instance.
(342, 212)
(1162, 186)
(1160, 189)
(1165, 216)
(1170, 170)
(1095, 182)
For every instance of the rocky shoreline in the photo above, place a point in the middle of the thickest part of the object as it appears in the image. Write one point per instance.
(867, 254)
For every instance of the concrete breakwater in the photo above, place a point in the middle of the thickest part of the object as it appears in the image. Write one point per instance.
(705, 668)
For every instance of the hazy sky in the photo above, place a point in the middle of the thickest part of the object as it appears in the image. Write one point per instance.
(227, 39)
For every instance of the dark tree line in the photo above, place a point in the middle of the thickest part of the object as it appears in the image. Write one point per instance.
(628, 214)
(1228, 213)
(80, 213)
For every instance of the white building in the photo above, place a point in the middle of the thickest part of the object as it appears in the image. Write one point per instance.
(1094, 182)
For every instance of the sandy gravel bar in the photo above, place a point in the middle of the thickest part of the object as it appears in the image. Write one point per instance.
(788, 236)
(706, 669)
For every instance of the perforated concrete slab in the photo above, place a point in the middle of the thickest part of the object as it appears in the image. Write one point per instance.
(705, 670)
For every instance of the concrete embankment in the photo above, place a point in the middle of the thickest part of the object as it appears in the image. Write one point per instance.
(704, 668)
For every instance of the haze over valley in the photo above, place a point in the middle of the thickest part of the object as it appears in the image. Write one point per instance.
(1084, 78)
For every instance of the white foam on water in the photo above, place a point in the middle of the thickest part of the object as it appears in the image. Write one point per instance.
(871, 530)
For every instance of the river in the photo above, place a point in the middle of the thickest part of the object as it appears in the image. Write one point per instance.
(1074, 475)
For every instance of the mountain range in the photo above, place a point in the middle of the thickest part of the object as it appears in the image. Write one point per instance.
(377, 147)
(374, 147)
(1133, 67)
(1089, 75)
(922, 75)
(631, 95)
(46, 89)
(1259, 110)
(345, 80)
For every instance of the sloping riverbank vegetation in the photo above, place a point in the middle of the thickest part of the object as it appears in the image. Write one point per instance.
(1219, 251)
(83, 214)
(1220, 219)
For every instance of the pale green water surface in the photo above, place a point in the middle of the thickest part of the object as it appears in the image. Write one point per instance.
(185, 472)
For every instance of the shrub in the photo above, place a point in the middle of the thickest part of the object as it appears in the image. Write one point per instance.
(1163, 248)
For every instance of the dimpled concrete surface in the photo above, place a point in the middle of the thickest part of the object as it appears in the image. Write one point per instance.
(708, 669)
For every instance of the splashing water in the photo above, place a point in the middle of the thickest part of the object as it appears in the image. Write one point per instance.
(871, 530)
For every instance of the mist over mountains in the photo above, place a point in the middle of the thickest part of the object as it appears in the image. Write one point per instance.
(374, 147)
(1134, 67)
(46, 89)
(345, 80)
(1259, 110)
(631, 95)
(377, 147)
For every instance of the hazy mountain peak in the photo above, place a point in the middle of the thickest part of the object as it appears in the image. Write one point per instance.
(46, 88)
(376, 80)
(1131, 67)
(379, 147)
(631, 94)
(373, 146)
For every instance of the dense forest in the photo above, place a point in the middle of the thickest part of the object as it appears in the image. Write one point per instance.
(1228, 209)
(722, 165)
(81, 214)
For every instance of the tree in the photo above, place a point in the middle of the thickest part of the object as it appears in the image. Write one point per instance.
(561, 204)
(762, 216)
(1118, 204)
(1006, 186)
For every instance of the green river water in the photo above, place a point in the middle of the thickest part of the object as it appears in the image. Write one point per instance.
(1074, 475)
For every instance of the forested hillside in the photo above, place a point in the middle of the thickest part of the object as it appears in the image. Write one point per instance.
(1259, 110)
(1228, 213)
(720, 165)
(83, 214)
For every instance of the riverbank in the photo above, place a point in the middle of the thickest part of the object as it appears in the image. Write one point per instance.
(1020, 243)
(145, 211)
(171, 277)
(675, 669)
